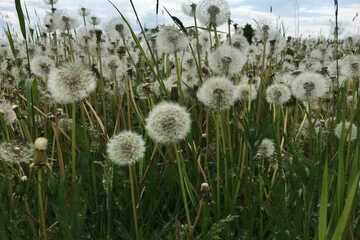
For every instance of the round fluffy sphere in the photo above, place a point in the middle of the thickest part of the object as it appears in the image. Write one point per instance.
(215, 12)
(309, 86)
(217, 93)
(278, 94)
(170, 40)
(227, 60)
(246, 92)
(126, 148)
(189, 7)
(116, 29)
(71, 83)
(168, 123)
(266, 148)
(350, 131)
(41, 65)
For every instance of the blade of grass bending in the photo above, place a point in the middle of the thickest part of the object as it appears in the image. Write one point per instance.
(10, 39)
(21, 18)
(345, 215)
(177, 22)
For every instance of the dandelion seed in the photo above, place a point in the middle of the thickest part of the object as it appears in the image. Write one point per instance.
(126, 148)
(217, 93)
(168, 123)
(71, 83)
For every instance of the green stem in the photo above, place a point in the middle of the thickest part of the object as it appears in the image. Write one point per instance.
(133, 201)
(42, 221)
(73, 143)
(182, 185)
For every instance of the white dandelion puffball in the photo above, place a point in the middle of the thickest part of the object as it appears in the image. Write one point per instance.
(7, 110)
(214, 12)
(126, 148)
(217, 93)
(64, 21)
(240, 42)
(189, 7)
(246, 92)
(14, 152)
(116, 29)
(309, 86)
(266, 148)
(278, 94)
(170, 40)
(41, 65)
(71, 83)
(227, 60)
(350, 131)
(168, 123)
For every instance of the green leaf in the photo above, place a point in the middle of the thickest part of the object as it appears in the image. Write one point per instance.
(341, 225)
(324, 203)
(20, 17)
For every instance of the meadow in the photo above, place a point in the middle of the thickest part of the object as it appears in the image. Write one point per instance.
(216, 130)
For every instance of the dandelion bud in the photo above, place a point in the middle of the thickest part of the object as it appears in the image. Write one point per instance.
(41, 144)
(204, 188)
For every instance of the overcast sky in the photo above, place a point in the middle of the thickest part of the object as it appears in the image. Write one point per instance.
(315, 16)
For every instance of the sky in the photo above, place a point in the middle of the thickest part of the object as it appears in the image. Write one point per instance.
(306, 17)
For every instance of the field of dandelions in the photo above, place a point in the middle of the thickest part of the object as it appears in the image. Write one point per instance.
(210, 131)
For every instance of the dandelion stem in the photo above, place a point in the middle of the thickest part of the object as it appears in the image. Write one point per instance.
(42, 221)
(73, 143)
(133, 201)
(182, 185)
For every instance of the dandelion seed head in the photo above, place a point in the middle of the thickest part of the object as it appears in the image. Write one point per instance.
(71, 83)
(246, 92)
(189, 7)
(215, 12)
(217, 93)
(227, 60)
(278, 94)
(41, 65)
(349, 130)
(116, 29)
(16, 152)
(170, 40)
(266, 148)
(126, 148)
(168, 123)
(7, 110)
(309, 86)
